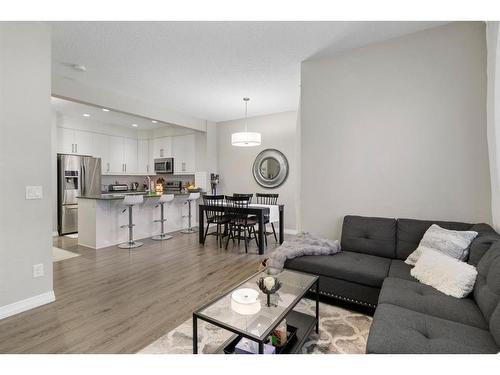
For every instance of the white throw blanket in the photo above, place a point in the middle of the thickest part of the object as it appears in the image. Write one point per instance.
(302, 244)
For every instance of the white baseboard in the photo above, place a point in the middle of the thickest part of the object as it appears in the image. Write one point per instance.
(27, 304)
(55, 234)
(291, 231)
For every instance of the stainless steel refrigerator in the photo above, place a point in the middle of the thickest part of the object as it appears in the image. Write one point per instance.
(76, 175)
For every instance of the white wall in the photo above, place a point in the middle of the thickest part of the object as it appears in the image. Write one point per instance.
(397, 129)
(235, 163)
(493, 40)
(25, 159)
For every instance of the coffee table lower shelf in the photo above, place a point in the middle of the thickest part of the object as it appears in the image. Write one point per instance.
(303, 322)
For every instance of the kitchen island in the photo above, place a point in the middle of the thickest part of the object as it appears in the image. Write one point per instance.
(100, 218)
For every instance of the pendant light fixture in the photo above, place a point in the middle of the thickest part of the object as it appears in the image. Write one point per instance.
(246, 138)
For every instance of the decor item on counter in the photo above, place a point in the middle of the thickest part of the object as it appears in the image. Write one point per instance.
(454, 243)
(191, 188)
(245, 301)
(134, 186)
(444, 273)
(270, 168)
(159, 185)
(214, 181)
(246, 138)
(300, 245)
(269, 285)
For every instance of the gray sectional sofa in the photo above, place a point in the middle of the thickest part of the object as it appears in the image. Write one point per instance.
(411, 317)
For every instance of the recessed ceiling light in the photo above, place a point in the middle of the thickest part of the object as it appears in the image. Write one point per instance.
(86, 115)
(135, 125)
(105, 110)
(154, 121)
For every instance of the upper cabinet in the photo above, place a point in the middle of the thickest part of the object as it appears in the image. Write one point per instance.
(71, 141)
(100, 145)
(144, 163)
(184, 153)
(124, 155)
(162, 147)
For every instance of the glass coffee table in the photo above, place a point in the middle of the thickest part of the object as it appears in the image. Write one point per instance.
(258, 324)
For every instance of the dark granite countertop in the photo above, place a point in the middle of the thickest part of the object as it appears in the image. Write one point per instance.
(120, 195)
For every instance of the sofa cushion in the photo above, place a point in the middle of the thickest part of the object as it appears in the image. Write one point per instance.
(398, 330)
(401, 270)
(347, 265)
(369, 235)
(487, 287)
(411, 231)
(495, 324)
(422, 298)
(480, 246)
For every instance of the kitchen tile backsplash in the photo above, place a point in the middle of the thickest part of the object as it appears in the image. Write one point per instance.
(108, 180)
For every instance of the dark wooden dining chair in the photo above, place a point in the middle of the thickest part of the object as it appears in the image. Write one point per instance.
(249, 195)
(240, 222)
(217, 217)
(268, 199)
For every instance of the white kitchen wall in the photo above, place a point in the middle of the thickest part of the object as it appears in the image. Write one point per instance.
(25, 160)
(397, 129)
(235, 163)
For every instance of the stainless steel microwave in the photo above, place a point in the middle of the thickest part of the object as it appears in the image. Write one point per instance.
(165, 165)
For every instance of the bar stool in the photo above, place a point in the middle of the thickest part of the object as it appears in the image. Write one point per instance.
(191, 198)
(165, 198)
(130, 201)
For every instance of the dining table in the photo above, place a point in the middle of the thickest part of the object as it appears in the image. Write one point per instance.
(260, 211)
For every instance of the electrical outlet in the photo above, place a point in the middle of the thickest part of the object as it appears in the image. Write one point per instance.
(34, 192)
(38, 270)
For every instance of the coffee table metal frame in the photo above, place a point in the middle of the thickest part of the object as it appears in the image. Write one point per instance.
(259, 339)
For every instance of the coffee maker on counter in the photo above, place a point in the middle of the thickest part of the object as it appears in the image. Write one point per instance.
(214, 181)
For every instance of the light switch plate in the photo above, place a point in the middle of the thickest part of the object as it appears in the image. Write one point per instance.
(34, 192)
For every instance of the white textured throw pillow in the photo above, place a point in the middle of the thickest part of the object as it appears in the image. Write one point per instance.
(454, 243)
(448, 275)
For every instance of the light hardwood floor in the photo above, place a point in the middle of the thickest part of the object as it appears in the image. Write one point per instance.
(115, 301)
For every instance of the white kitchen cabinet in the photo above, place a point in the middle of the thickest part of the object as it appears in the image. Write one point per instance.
(71, 141)
(116, 155)
(162, 147)
(65, 141)
(83, 142)
(143, 160)
(184, 153)
(122, 155)
(130, 155)
(100, 149)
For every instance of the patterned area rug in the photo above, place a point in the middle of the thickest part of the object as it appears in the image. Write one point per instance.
(341, 331)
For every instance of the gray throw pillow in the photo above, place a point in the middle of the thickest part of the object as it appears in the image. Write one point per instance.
(454, 243)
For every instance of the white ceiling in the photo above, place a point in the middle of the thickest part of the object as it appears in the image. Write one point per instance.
(204, 69)
(77, 110)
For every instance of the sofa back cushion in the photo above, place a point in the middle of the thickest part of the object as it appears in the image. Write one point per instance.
(495, 324)
(369, 235)
(486, 237)
(411, 231)
(487, 287)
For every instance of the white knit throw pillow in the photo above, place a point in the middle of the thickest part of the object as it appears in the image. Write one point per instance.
(446, 274)
(454, 243)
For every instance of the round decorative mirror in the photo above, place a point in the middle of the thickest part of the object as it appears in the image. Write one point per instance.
(270, 168)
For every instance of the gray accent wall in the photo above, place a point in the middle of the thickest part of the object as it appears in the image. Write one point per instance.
(397, 129)
(25, 159)
(278, 131)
